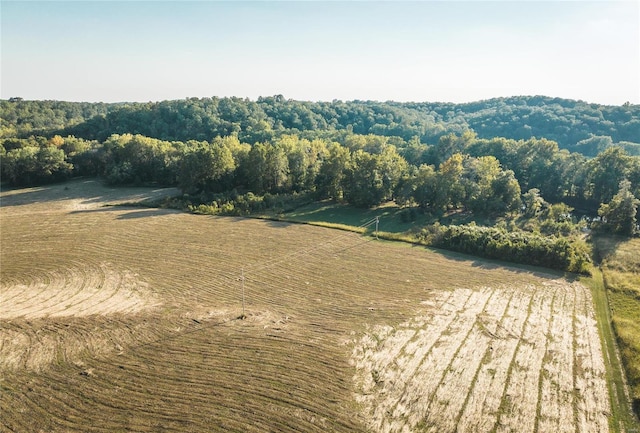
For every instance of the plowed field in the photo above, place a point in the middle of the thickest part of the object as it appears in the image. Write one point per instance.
(127, 319)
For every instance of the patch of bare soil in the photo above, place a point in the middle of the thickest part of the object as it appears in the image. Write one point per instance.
(519, 359)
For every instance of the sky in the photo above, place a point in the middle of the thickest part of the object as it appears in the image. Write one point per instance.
(425, 51)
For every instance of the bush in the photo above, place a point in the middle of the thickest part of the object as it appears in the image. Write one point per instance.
(249, 203)
(518, 246)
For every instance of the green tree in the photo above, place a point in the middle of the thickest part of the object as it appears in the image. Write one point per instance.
(606, 171)
(425, 181)
(619, 215)
(33, 165)
(489, 188)
(479, 174)
(267, 168)
(506, 193)
(449, 189)
(138, 159)
(593, 145)
(372, 179)
(451, 144)
(363, 181)
(304, 158)
(415, 152)
(533, 203)
(204, 165)
(330, 181)
(392, 167)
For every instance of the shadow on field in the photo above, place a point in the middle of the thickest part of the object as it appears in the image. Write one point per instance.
(132, 214)
(147, 213)
(606, 245)
(278, 224)
(26, 196)
(525, 269)
(91, 192)
(489, 264)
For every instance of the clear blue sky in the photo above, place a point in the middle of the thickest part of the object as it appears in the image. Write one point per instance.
(453, 51)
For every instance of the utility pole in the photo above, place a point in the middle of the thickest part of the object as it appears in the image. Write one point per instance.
(242, 280)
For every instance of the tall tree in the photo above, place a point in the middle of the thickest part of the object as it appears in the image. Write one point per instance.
(533, 202)
(267, 168)
(606, 171)
(426, 181)
(489, 188)
(330, 181)
(372, 179)
(449, 191)
(204, 165)
(479, 174)
(33, 165)
(620, 214)
(363, 181)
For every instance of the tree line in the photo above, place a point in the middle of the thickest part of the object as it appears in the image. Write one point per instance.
(259, 163)
(574, 125)
(484, 176)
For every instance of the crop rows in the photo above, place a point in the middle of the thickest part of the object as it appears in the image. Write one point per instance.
(502, 359)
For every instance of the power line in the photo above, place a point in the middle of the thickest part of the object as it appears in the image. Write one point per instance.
(306, 252)
(275, 261)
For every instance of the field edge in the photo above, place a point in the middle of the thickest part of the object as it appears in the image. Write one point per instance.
(622, 417)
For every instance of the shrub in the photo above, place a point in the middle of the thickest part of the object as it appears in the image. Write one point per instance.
(518, 246)
(247, 204)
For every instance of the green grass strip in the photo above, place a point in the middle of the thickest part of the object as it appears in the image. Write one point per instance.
(622, 418)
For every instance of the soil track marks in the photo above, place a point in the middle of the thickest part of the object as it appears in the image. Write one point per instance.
(520, 358)
(125, 319)
(81, 291)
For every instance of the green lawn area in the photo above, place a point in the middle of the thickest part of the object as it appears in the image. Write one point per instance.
(334, 213)
(393, 218)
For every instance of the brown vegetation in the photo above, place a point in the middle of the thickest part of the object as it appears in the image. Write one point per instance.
(132, 326)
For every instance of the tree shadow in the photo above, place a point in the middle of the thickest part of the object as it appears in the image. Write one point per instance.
(605, 245)
(492, 264)
(133, 212)
(519, 268)
(20, 196)
(276, 224)
(91, 192)
(147, 213)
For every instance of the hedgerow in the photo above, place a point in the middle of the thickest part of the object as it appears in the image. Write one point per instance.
(249, 203)
(514, 246)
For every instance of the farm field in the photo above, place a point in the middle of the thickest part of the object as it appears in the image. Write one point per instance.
(127, 319)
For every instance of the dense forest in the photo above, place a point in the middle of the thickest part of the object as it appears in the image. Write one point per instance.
(543, 161)
(574, 125)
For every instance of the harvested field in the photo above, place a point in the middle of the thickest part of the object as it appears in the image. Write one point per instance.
(126, 319)
(488, 360)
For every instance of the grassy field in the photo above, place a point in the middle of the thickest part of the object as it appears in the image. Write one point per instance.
(118, 319)
(393, 218)
(621, 272)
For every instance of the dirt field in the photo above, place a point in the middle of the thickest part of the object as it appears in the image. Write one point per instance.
(126, 319)
(488, 360)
